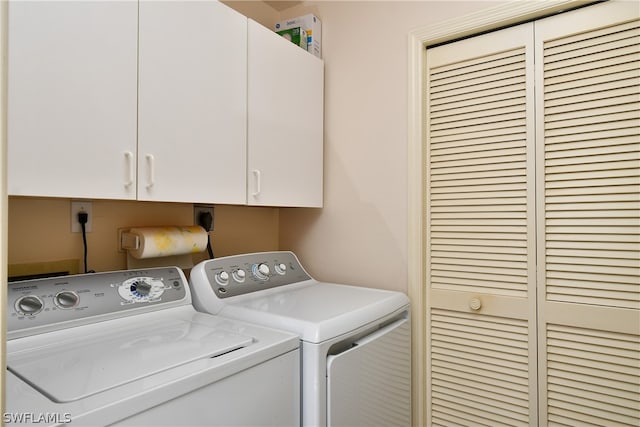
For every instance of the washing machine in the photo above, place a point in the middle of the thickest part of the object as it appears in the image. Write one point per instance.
(356, 341)
(128, 348)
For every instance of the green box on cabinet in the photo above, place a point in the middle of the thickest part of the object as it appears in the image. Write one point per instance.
(296, 35)
(312, 25)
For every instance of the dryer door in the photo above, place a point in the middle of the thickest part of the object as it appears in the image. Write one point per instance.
(370, 383)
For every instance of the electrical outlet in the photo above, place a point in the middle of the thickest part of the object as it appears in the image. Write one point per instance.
(198, 209)
(78, 206)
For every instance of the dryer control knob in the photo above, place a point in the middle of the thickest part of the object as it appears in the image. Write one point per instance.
(29, 305)
(222, 278)
(261, 271)
(239, 276)
(264, 269)
(281, 269)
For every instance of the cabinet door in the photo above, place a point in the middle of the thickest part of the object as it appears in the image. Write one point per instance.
(192, 103)
(285, 122)
(72, 99)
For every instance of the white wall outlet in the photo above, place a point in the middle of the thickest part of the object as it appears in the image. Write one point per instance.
(198, 209)
(78, 206)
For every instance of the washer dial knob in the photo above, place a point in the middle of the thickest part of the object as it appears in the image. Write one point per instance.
(141, 289)
(29, 305)
(66, 299)
(261, 271)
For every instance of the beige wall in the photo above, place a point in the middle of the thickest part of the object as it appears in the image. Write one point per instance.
(360, 236)
(40, 229)
(257, 10)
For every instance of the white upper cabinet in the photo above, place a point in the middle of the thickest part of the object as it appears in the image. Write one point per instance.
(285, 122)
(72, 99)
(160, 101)
(192, 103)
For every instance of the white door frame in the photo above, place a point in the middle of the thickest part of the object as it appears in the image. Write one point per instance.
(509, 13)
(4, 201)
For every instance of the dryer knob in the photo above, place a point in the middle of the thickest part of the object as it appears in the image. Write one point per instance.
(261, 271)
(264, 269)
(239, 275)
(222, 278)
(281, 269)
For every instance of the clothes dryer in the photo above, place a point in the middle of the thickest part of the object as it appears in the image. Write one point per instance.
(356, 341)
(128, 348)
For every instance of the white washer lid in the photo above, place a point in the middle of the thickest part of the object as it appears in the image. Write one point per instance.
(315, 311)
(81, 366)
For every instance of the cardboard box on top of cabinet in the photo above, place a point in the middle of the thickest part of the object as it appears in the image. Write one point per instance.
(296, 35)
(312, 25)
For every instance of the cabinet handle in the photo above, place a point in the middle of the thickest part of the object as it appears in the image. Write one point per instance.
(152, 171)
(475, 304)
(128, 156)
(256, 174)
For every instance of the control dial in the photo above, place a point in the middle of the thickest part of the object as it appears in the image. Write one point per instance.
(141, 289)
(29, 305)
(239, 276)
(222, 278)
(66, 299)
(261, 271)
(281, 269)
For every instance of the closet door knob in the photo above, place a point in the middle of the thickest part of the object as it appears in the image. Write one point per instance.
(475, 304)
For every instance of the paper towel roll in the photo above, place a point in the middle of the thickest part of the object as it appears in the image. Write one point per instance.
(156, 242)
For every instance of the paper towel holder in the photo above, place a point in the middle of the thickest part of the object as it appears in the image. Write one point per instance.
(181, 241)
(127, 241)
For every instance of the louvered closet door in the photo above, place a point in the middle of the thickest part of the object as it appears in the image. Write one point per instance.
(589, 215)
(481, 337)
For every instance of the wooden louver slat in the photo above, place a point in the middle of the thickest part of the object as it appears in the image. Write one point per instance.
(479, 204)
(592, 141)
(591, 230)
(582, 90)
(480, 368)
(593, 376)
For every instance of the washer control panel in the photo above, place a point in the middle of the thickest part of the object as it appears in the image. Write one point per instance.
(243, 274)
(40, 302)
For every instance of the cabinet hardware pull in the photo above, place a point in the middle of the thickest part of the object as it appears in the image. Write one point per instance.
(256, 174)
(152, 172)
(475, 304)
(128, 155)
